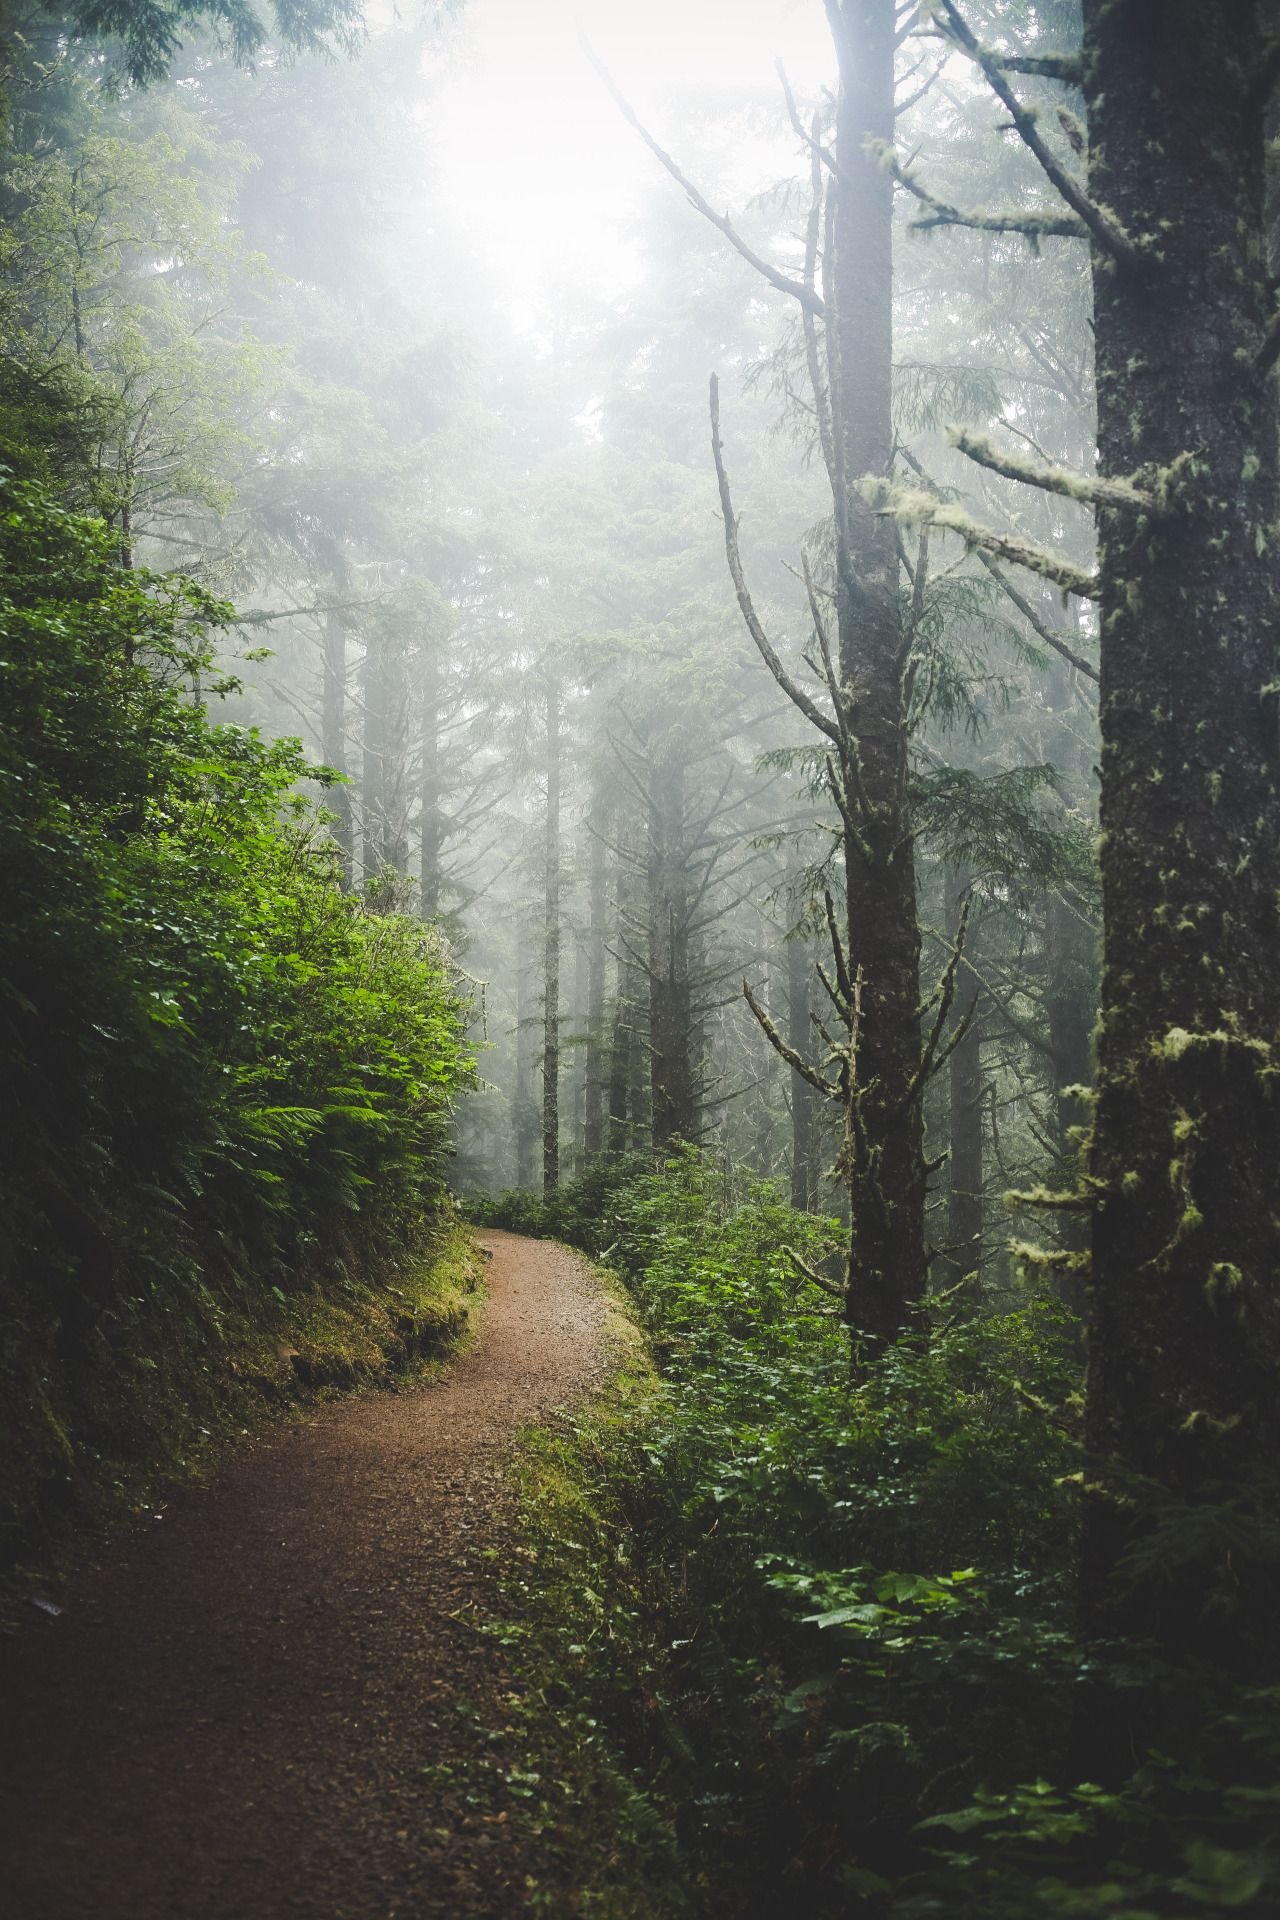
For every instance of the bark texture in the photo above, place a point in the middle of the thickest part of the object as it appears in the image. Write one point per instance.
(884, 1156)
(1184, 1389)
(965, 1198)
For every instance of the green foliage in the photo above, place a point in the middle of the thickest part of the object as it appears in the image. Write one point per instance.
(225, 1082)
(850, 1603)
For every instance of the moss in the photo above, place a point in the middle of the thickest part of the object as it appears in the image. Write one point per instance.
(579, 1582)
(1225, 1278)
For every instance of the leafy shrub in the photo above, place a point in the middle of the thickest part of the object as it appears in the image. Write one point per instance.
(851, 1601)
(223, 1079)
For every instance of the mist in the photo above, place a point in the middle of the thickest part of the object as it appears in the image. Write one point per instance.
(652, 631)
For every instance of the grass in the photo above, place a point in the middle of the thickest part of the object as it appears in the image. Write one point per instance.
(578, 1602)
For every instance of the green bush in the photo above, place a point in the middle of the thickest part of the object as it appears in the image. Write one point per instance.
(851, 1601)
(223, 1079)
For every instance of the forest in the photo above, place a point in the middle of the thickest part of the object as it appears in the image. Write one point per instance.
(639, 986)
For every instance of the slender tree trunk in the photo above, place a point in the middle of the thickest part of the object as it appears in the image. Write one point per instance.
(884, 1151)
(430, 831)
(622, 1044)
(333, 737)
(551, 953)
(1184, 1378)
(804, 1128)
(525, 1112)
(670, 1000)
(373, 734)
(965, 1210)
(397, 732)
(598, 907)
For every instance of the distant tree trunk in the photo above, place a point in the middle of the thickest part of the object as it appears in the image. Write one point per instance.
(373, 737)
(551, 951)
(804, 1129)
(598, 907)
(525, 1115)
(884, 1154)
(670, 999)
(625, 1087)
(430, 834)
(333, 737)
(397, 732)
(1184, 1377)
(965, 1210)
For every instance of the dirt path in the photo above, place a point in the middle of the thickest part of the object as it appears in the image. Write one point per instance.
(260, 1708)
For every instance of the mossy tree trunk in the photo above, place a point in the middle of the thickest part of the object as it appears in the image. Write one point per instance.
(884, 1156)
(1184, 1380)
(804, 1101)
(965, 1195)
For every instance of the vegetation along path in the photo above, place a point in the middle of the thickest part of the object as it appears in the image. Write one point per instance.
(267, 1705)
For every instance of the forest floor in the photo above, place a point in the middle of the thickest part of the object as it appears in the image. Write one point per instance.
(280, 1698)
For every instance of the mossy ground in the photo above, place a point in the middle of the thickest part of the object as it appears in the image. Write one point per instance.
(581, 1591)
(186, 1389)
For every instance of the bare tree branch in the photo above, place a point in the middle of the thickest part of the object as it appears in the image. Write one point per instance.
(721, 221)
(1108, 234)
(796, 694)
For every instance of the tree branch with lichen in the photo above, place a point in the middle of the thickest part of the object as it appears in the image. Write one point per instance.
(1089, 491)
(788, 1053)
(1104, 228)
(915, 508)
(941, 213)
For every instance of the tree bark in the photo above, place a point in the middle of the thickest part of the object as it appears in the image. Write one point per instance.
(671, 1038)
(884, 1152)
(551, 953)
(1184, 1379)
(804, 1125)
(965, 1204)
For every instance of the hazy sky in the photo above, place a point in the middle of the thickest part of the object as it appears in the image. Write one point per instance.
(536, 164)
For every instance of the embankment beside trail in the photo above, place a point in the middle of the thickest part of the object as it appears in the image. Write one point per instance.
(168, 1415)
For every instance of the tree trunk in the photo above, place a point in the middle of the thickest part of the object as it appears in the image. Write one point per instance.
(670, 999)
(598, 906)
(373, 734)
(397, 732)
(525, 1114)
(333, 737)
(965, 1211)
(884, 1151)
(804, 1129)
(1184, 1379)
(430, 827)
(551, 954)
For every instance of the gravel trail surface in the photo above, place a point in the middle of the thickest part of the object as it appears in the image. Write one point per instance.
(265, 1705)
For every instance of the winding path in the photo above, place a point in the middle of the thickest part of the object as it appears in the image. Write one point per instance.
(265, 1705)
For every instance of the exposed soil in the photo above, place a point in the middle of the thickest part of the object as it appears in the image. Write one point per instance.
(274, 1701)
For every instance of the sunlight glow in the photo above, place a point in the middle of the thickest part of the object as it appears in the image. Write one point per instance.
(539, 170)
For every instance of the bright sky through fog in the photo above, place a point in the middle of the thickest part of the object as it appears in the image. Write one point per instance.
(536, 165)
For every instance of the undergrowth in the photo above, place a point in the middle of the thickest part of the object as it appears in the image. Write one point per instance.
(191, 1392)
(823, 1630)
